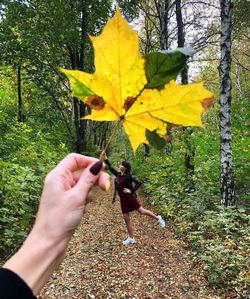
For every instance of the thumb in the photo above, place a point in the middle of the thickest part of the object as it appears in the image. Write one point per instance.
(89, 176)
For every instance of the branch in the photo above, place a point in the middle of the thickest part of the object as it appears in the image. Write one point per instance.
(201, 2)
(206, 59)
(201, 42)
(57, 73)
(53, 97)
(245, 53)
(237, 61)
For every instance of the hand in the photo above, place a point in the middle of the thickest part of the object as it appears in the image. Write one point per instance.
(66, 192)
(65, 196)
(126, 190)
(104, 155)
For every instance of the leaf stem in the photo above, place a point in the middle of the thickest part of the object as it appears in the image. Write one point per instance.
(102, 155)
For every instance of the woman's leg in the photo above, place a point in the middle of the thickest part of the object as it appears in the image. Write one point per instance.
(159, 219)
(128, 225)
(143, 211)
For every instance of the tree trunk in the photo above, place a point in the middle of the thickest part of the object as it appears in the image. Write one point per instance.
(181, 37)
(103, 135)
(76, 122)
(162, 7)
(19, 92)
(148, 45)
(146, 150)
(77, 62)
(226, 178)
(190, 149)
(82, 128)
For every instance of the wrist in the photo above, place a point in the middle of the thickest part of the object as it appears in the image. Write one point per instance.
(47, 240)
(46, 243)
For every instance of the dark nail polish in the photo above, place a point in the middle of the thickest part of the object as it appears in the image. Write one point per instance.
(96, 168)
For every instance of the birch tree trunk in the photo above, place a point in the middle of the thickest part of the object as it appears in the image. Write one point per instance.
(226, 176)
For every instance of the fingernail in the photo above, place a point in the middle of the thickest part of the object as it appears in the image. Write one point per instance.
(96, 168)
(107, 186)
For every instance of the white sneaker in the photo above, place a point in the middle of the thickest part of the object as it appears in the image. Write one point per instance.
(129, 240)
(161, 221)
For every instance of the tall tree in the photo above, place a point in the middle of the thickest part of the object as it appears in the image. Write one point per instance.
(190, 149)
(25, 44)
(148, 34)
(226, 179)
(181, 36)
(163, 7)
(160, 31)
(50, 34)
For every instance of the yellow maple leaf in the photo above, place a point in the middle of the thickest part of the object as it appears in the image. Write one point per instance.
(118, 88)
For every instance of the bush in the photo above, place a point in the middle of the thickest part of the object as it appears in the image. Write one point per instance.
(20, 192)
(27, 156)
(218, 237)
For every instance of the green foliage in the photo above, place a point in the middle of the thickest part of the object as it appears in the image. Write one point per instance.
(221, 242)
(218, 237)
(20, 189)
(241, 13)
(27, 156)
(46, 35)
(130, 8)
(28, 150)
(241, 141)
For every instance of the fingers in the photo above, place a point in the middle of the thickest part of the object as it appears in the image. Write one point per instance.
(85, 172)
(104, 181)
(90, 176)
(73, 162)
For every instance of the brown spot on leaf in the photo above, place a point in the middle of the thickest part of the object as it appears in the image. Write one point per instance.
(128, 103)
(207, 103)
(95, 102)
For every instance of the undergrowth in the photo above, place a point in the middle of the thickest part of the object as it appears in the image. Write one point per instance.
(219, 237)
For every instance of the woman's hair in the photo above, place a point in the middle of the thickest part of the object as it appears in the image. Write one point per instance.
(127, 166)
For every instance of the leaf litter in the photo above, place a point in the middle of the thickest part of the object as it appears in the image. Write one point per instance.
(97, 264)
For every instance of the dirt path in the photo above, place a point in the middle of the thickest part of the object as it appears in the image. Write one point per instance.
(98, 265)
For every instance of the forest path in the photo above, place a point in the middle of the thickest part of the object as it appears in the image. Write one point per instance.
(98, 265)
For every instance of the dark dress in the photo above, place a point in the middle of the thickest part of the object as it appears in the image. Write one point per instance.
(129, 201)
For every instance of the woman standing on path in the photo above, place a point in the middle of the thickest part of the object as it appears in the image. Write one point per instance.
(126, 184)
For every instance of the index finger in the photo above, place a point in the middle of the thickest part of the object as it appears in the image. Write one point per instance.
(74, 161)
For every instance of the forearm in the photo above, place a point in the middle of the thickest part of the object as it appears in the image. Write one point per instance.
(36, 260)
(136, 185)
(65, 195)
(110, 167)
